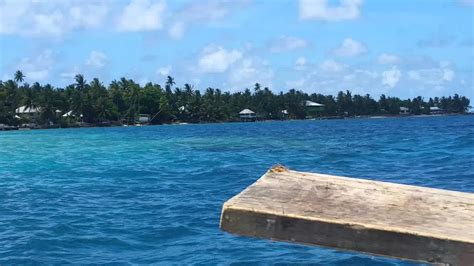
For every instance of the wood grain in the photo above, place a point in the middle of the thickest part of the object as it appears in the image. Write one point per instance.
(409, 222)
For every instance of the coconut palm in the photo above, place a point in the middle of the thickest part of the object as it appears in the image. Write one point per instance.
(19, 76)
(48, 104)
(170, 81)
(80, 82)
(29, 98)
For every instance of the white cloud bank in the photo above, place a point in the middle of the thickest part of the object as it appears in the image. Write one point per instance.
(217, 59)
(331, 66)
(287, 43)
(142, 15)
(37, 68)
(96, 59)
(56, 18)
(350, 47)
(322, 10)
(391, 77)
(250, 71)
(433, 76)
(164, 71)
(202, 12)
(233, 68)
(50, 18)
(300, 63)
(387, 59)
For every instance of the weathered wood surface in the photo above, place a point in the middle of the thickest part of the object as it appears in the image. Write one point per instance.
(408, 222)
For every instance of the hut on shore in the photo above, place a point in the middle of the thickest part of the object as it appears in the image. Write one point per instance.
(28, 112)
(247, 115)
(143, 119)
(404, 110)
(435, 110)
(313, 109)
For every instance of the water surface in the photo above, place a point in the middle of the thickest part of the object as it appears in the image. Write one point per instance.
(154, 194)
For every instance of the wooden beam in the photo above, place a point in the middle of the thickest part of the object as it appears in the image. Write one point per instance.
(407, 222)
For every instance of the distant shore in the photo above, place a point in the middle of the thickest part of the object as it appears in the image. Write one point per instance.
(116, 124)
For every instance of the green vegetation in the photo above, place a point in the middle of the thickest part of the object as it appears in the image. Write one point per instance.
(122, 102)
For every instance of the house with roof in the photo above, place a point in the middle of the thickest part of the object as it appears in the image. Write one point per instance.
(27, 112)
(313, 108)
(247, 115)
(435, 110)
(404, 110)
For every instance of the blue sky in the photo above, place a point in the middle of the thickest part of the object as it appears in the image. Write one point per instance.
(402, 48)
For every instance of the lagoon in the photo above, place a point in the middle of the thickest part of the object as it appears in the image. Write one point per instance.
(154, 194)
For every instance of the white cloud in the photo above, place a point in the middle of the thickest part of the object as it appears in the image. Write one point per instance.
(300, 63)
(367, 73)
(350, 47)
(39, 67)
(69, 74)
(432, 81)
(448, 74)
(142, 15)
(164, 71)
(387, 59)
(287, 43)
(391, 77)
(360, 81)
(51, 24)
(176, 31)
(88, 16)
(433, 76)
(322, 10)
(217, 59)
(49, 18)
(250, 71)
(331, 66)
(96, 59)
(202, 12)
(296, 84)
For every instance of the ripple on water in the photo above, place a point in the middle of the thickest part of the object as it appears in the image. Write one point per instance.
(154, 194)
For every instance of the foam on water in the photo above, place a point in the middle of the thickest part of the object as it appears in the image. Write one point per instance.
(154, 194)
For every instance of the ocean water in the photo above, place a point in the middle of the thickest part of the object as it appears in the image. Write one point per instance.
(142, 195)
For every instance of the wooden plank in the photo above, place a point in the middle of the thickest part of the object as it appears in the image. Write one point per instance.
(408, 222)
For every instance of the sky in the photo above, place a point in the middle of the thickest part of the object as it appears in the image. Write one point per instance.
(401, 48)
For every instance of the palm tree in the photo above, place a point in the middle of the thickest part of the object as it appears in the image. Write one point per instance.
(133, 95)
(29, 100)
(47, 103)
(80, 81)
(170, 81)
(188, 88)
(19, 76)
(11, 89)
(77, 103)
(257, 87)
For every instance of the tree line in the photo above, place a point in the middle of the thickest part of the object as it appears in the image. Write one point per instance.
(123, 100)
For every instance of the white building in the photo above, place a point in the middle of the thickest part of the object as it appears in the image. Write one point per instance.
(27, 112)
(313, 104)
(404, 110)
(144, 118)
(247, 115)
(435, 110)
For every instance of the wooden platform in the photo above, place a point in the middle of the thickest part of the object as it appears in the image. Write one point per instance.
(402, 221)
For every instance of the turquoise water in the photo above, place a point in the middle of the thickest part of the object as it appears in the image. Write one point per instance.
(154, 194)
